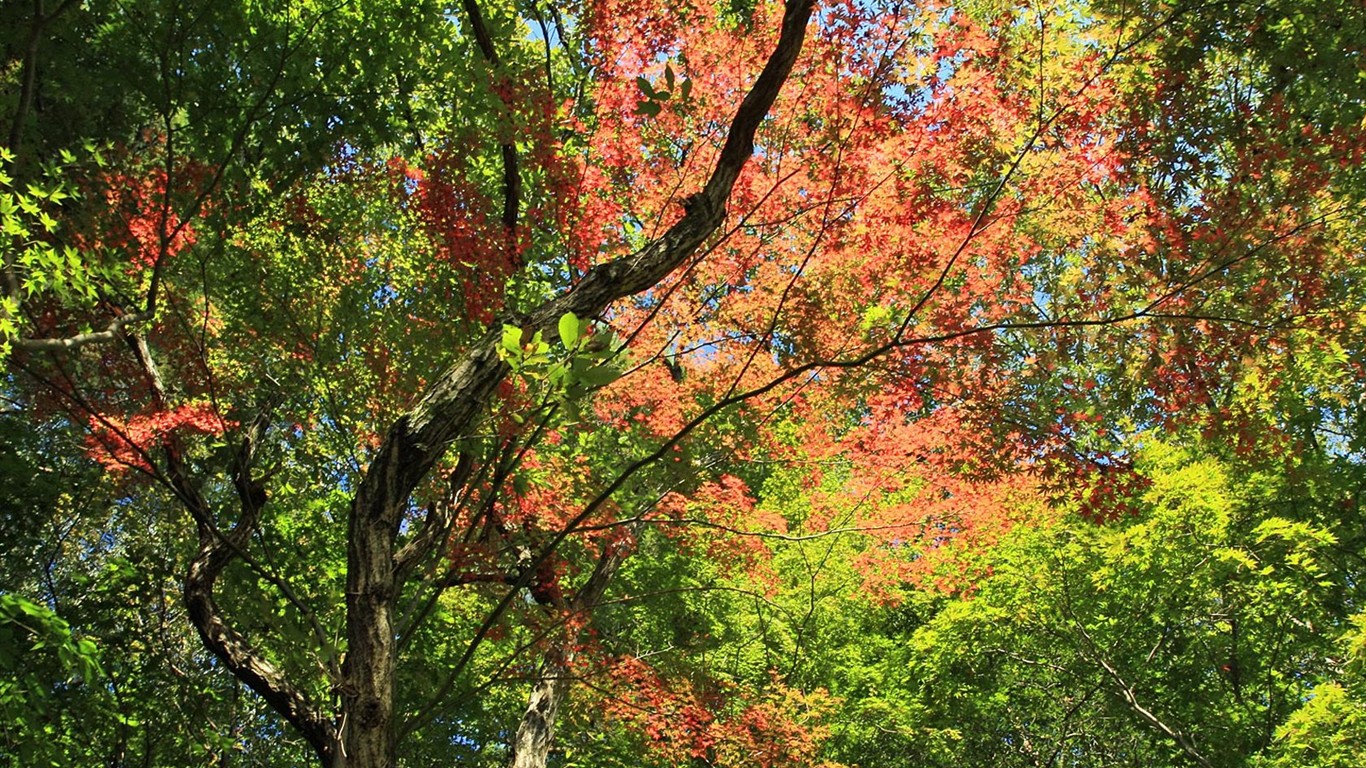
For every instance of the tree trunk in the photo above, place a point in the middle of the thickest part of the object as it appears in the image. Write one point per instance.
(531, 749)
(537, 730)
(367, 726)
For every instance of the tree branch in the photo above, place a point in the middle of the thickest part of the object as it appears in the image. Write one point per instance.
(436, 525)
(512, 179)
(216, 551)
(445, 412)
(1089, 650)
(419, 438)
(111, 332)
(29, 78)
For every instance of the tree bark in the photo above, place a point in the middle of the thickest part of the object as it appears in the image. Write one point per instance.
(217, 549)
(536, 733)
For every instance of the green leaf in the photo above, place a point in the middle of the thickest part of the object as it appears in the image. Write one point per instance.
(512, 339)
(600, 375)
(569, 330)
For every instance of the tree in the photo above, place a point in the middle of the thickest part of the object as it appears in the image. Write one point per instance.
(508, 288)
(1186, 634)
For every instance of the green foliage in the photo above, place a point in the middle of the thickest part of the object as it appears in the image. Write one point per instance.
(1208, 614)
(1328, 731)
(34, 641)
(656, 95)
(1329, 728)
(38, 266)
(155, 697)
(583, 363)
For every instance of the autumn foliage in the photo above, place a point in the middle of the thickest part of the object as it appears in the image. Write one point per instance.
(952, 293)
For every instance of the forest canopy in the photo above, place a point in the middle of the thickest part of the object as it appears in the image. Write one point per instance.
(714, 384)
